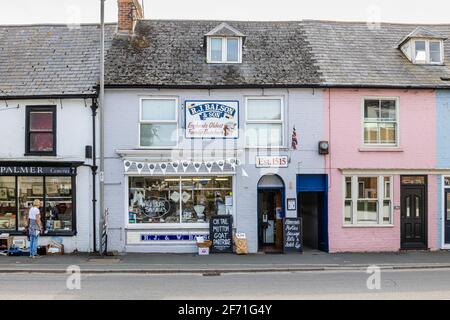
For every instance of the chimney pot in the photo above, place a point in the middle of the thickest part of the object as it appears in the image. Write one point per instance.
(129, 12)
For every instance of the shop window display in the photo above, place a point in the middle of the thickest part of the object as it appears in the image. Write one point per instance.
(178, 199)
(8, 206)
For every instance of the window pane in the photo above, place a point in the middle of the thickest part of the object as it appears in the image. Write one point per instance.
(348, 187)
(388, 110)
(370, 133)
(232, 49)
(367, 211)
(58, 205)
(387, 212)
(348, 211)
(435, 52)
(264, 109)
(371, 109)
(264, 135)
(8, 209)
(367, 188)
(156, 135)
(41, 121)
(387, 133)
(216, 49)
(203, 197)
(387, 187)
(42, 142)
(154, 200)
(30, 188)
(158, 109)
(420, 51)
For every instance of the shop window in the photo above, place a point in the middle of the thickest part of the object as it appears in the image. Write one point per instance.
(41, 130)
(372, 196)
(178, 199)
(381, 122)
(264, 122)
(8, 204)
(158, 122)
(18, 193)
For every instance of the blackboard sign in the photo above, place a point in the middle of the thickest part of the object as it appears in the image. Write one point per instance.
(221, 234)
(292, 235)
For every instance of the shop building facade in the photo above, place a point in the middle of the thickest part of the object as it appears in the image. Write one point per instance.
(224, 130)
(387, 129)
(47, 115)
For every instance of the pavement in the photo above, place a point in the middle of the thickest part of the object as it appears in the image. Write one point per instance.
(226, 263)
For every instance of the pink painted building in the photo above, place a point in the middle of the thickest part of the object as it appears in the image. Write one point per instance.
(381, 118)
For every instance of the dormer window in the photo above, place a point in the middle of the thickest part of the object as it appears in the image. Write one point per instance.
(224, 45)
(423, 46)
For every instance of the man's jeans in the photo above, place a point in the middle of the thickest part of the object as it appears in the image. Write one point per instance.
(33, 245)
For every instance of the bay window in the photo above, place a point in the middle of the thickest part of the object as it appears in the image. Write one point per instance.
(380, 122)
(264, 122)
(158, 122)
(373, 198)
(187, 199)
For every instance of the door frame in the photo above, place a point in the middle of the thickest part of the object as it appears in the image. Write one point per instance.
(425, 220)
(444, 190)
(258, 221)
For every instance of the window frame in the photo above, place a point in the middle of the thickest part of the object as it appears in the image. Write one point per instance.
(178, 225)
(59, 233)
(224, 50)
(380, 200)
(175, 121)
(39, 108)
(397, 122)
(281, 121)
(427, 51)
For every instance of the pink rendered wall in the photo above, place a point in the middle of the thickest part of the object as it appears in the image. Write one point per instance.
(417, 150)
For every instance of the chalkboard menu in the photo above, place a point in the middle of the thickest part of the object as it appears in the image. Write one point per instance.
(292, 235)
(221, 234)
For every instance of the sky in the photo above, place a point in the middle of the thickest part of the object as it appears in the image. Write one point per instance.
(87, 11)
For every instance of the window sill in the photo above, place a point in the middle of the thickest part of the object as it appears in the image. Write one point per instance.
(39, 154)
(49, 234)
(358, 226)
(380, 149)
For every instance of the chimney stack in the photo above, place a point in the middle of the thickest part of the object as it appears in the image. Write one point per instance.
(129, 12)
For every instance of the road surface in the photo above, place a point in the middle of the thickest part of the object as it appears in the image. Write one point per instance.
(412, 284)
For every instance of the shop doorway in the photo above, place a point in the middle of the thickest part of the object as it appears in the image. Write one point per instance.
(413, 212)
(447, 217)
(270, 214)
(312, 208)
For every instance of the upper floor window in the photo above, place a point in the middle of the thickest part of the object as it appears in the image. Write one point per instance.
(40, 130)
(224, 44)
(380, 122)
(224, 50)
(158, 122)
(428, 51)
(264, 122)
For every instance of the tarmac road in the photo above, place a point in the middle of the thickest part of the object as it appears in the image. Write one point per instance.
(411, 284)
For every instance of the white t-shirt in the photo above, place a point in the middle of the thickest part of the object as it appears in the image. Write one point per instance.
(33, 213)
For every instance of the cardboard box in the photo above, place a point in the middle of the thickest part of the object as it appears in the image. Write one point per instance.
(203, 251)
(5, 242)
(54, 250)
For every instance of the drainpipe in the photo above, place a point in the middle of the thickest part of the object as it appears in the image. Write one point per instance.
(94, 168)
(102, 124)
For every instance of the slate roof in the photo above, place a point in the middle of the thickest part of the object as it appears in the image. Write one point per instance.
(172, 53)
(50, 60)
(351, 54)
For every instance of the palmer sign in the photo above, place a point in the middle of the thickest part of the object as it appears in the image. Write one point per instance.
(35, 170)
(212, 119)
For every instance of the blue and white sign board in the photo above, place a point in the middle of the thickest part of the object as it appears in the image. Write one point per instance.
(172, 237)
(212, 119)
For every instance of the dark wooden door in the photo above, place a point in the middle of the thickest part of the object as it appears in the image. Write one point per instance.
(447, 217)
(413, 217)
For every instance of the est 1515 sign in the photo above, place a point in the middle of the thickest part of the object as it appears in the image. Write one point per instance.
(272, 161)
(212, 119)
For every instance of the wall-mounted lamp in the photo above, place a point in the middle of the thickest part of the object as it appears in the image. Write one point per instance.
(324, 147)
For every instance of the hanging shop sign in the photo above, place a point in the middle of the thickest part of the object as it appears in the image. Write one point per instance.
(220, 233)
(156, 207)
(35, 170)
(272, 161)
(212, 119)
